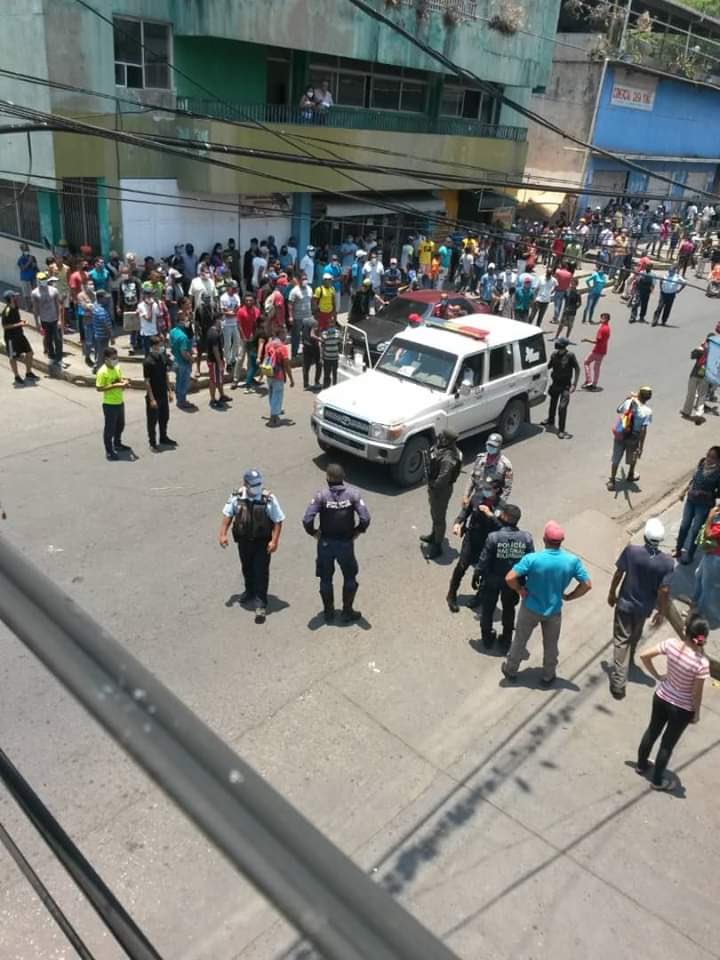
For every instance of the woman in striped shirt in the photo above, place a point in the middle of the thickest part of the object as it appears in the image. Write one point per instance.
(677, 697)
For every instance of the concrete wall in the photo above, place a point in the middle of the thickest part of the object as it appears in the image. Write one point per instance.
(683, 119)
(22, 49)
(9, 253)
(237, 70)
(568, 101)
(522, 59)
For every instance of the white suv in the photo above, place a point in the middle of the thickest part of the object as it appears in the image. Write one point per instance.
(466, 375)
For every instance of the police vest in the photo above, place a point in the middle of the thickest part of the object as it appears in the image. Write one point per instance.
(337, 518)
(251, 520)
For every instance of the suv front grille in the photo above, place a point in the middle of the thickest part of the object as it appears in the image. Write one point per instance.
(354, 424)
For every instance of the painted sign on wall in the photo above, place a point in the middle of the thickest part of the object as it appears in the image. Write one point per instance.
(633, 90)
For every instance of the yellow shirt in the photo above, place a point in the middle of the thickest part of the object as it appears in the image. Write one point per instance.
(325, 297)
(105, 376)
(425, 252)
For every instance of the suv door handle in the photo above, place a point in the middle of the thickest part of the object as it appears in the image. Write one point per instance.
(537, 376)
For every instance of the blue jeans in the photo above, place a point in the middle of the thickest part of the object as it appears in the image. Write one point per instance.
(590, 306)
(276, 391)
(693, 517)
(251, 366)
(707, 588)
(558, 301)
(182, 382)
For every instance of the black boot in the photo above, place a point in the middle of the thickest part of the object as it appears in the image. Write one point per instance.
(348, 614)
(489, 640)
(451, 598)
(328, 599)
(433, 550)
(427, 538)
(506, 641)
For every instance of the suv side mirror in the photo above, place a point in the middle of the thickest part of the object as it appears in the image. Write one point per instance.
(464, 389)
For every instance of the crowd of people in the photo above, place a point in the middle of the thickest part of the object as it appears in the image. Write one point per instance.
(248, 314)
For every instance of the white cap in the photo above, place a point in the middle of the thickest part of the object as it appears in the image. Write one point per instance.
(654, 531)
(491, 266)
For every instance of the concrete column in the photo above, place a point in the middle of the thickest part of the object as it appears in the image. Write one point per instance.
(301, 209)
(103, 217)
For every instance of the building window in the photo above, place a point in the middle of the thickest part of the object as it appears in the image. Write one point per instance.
(358, 83)
(142, 54)
(470, 104)
(19, 215)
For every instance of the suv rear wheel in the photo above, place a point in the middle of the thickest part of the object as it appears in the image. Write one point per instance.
(410, 468)
(512, 419)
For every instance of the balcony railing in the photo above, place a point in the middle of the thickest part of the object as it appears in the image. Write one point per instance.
(354, 118)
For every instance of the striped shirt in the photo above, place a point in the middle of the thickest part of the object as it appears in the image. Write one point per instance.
(684, 667)
(330, 341)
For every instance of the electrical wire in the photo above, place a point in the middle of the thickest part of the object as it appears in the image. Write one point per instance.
(477, 82)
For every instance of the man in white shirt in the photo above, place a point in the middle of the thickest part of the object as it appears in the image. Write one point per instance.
(406, 254)
(147, 312)
(307, 264)
(229, 306)
(259, 266)
(374, 270)
(202, 283)
(543, 295)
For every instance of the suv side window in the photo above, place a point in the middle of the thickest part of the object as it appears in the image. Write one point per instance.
(471, 371)
(501, 361)
(532, 351)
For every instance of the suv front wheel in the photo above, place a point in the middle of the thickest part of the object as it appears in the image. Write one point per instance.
(410, 468)
(512, 419)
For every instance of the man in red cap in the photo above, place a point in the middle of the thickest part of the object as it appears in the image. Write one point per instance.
(541, 580)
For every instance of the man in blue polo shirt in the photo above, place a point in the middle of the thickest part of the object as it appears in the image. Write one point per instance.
(541, 580)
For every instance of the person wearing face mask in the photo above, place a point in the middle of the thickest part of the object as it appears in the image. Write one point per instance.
(256, 518)
(181, 347)
(442, 468)
(46, 305)
(474, 522)
(158, 394)
(640, 584)
(148, 315)
(110, 382)
(99, 327)
(564, 372)
(374, 270)
(492, 466)
(337, 508)
(307, 264)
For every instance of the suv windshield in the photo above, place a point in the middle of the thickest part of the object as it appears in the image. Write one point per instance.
(399, 309)
(424, 365)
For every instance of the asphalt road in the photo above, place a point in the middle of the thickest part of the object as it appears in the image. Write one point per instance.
(506, 819)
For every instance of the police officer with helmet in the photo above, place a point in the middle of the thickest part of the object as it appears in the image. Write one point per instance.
(475, 521)
(442, 467)
(256, 519)
(336, 507)
(492, 466)
(503, 549)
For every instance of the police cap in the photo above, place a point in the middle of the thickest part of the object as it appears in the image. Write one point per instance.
(252, 478)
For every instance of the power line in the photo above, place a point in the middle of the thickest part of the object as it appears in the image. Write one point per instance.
(472, 78)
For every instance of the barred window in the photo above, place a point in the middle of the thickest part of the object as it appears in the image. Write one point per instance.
(19, 215)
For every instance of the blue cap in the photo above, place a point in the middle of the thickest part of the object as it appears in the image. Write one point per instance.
(562, 342)
(253, 478)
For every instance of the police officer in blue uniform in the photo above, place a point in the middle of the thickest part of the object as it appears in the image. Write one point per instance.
(475, 522)
(256, 519)
(503, 549)
(337, 507)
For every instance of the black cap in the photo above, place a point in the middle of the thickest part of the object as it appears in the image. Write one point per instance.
(512, 512)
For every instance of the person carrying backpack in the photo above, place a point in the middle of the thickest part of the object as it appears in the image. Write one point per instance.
(629, 432)
(276, 368)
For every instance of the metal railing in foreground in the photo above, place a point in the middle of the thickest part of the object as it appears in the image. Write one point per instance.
(309, 880)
